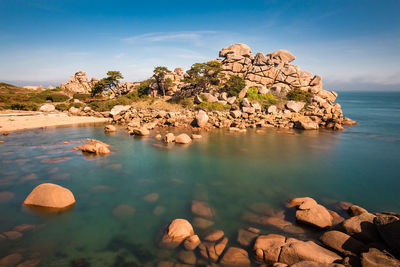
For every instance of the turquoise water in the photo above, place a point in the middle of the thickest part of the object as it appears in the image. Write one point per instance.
(231, 171)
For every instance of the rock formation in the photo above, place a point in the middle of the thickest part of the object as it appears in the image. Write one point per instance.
(79, 83)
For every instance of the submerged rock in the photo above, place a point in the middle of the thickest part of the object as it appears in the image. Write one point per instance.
(235, 257)
(201, 208)
(50, 196)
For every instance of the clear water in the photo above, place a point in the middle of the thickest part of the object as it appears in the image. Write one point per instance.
(229, 170)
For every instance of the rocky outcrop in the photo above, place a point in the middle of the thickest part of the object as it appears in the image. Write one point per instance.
(79, 83)
(50, 196)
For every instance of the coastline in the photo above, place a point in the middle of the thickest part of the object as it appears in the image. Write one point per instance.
(15, 121)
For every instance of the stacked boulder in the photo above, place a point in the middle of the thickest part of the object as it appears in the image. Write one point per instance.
(176, 78)
(79, 83)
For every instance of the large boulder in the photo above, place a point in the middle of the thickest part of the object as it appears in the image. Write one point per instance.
(377, 258)
(95, 147)
(74, 111)
(306, 251)
(389, 229)
(342, 242)
(295, 106)
(283, 56)
(361, 227)
(305, 123)
(312, 213)
(47, 108)
(176, 232)
(268, 247)
(183, 139)
(79, 83)
(118, 109)
(50, 196)
(201, 118)
(235, 257)
(237, 50)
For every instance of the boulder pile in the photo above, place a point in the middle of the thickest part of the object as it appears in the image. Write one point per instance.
(79, 83)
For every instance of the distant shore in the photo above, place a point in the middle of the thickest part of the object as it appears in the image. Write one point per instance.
(14, 121)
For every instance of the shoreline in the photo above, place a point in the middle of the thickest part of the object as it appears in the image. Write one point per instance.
(17, 121)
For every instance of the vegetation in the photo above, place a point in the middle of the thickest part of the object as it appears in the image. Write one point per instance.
(216, 106)
(62, 107)
(234, 85)
(265, 100)
(144, 88)
(105, 84)
(81, 97)
(299, 95)
(163, 83)
(186, 102)
(203, 75)
(21, 106)
(109, 104)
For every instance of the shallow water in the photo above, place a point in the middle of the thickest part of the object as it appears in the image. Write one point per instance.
(231, 171)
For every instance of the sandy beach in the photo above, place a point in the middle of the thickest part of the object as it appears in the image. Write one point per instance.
(14, 121)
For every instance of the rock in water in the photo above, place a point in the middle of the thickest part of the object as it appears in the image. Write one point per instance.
(141, 131)
(176, 232)
(95, 147)
(50, 196)
(110, 128)
(47, 108)
(169, 138)
(235, 257)
(183, 139)
(201, 118)
(310, 212)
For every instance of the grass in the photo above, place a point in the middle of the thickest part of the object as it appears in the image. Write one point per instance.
(299, 95)
(265, 100)
(185, 102)
(212, 106)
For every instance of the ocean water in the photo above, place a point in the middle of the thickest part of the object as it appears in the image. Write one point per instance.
(231, 171)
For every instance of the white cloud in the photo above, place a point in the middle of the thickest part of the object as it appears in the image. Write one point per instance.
(190, 36)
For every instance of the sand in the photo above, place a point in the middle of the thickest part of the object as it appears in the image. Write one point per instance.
(14, 121)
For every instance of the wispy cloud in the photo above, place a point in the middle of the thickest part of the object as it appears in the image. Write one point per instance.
(195, 37)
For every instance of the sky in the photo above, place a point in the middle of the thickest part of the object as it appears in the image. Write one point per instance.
(352, 44)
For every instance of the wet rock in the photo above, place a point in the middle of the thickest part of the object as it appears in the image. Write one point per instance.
(196, 136)
(29, 263)
(389, 229)
(11, 260)
(201, 208)
(202, 223)
(202, 118)
(306, 251)
(377, 258)
(246, 237)
(268, 247)
(47, 108)
(214, 235)
(183, 139)
(6, 196)
(123, 211)
(158, 210)
(169, 138)
(342, 242)
(50, 196)
(355, 210)
(110, 128)
(211, 250)
(152, 197)
(12, 235)
(191, 242)
(187, 257)
(141, 131)
(310, 212)
(235, 257)
(176, 232)
(361, 227)
(95, 147)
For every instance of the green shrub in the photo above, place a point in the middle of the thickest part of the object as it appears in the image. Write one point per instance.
(57, 97)
(203, 98)
(62, 107)
(299, 95)
(143, 88)
(21, 106)
(37, 99)
(186, 102)
(212, 106)
(81, 97)
(234, 85)
(48, 95)
(76, 105)
(109, 104)
(265, 100)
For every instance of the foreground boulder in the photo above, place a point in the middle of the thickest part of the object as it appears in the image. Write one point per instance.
(361, 227)
(389, 229)
(235, 257)
(95, 147)
(50, 196)
(310, 212)
(183, 139)
(342, 242)
(176, 232)
(47, 108)
(377, 258)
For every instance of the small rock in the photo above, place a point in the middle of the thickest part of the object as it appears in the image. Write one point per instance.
(192, 242)
(201, 208)
(246, 237)
(123, 211)
(361, 227)
(110, 128)
(47, 108)
(11, 260)
(235, 257)
(196, 136)
(377, 258)
(12, 235)
(95, 147)
(153, 197)
(214, 235)
(169, 138)
(187, 257)
(295, 106)
(183, 139)
(202, 223)
(142, 131)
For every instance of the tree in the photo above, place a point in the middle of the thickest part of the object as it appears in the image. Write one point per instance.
(234, 85)
(105, 84)
(202, 75)
(159, 75)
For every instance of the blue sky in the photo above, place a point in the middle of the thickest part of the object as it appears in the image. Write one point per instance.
(351, 44)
